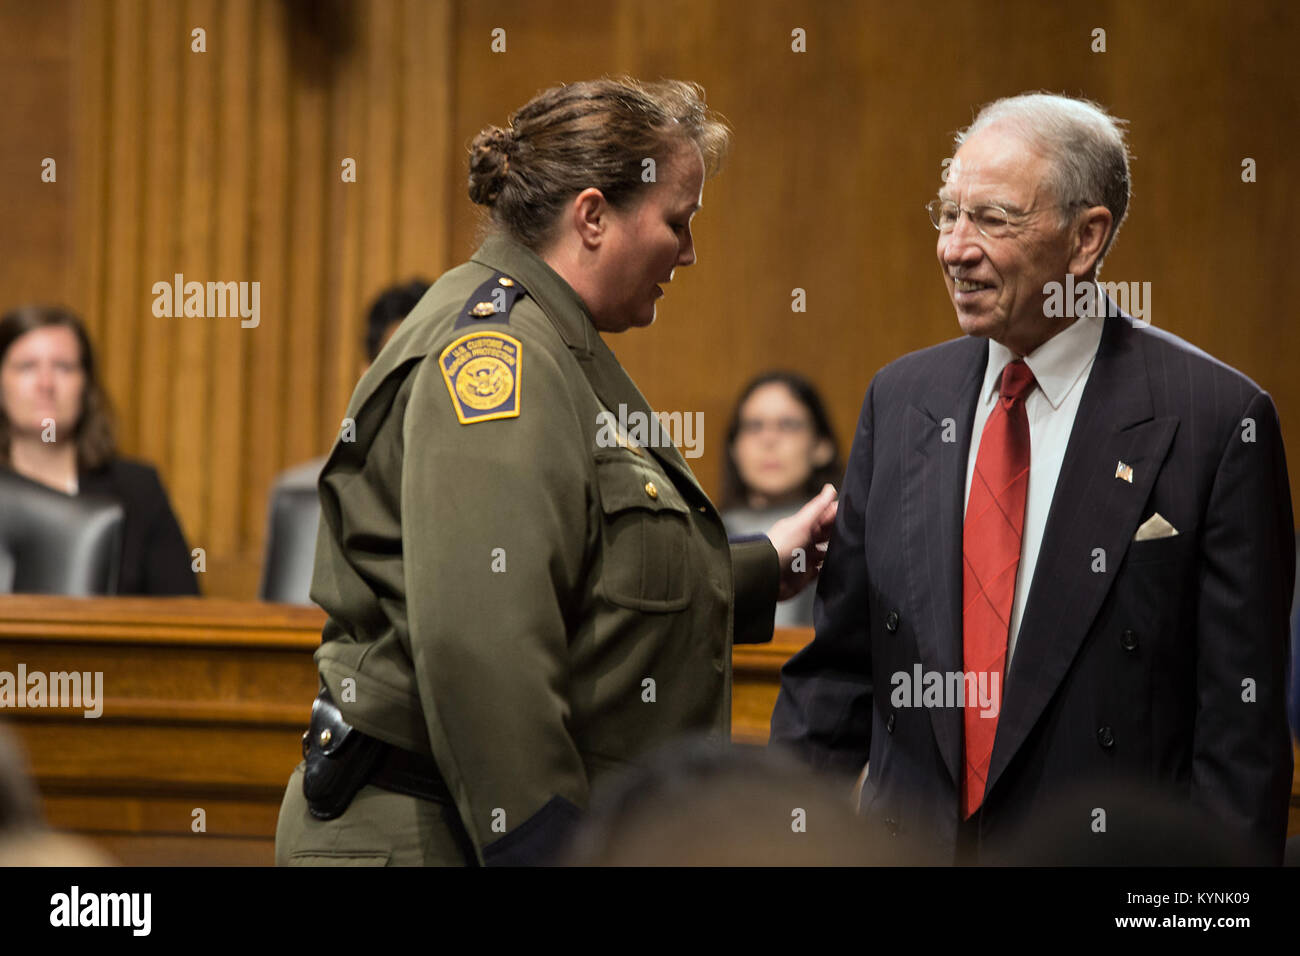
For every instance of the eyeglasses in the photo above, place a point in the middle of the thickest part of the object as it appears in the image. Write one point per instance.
(993, 222)
(750, 427)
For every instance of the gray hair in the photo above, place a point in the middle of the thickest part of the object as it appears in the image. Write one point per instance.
(1084, 144)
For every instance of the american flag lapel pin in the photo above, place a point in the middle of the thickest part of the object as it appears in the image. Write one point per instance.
(1124, 472)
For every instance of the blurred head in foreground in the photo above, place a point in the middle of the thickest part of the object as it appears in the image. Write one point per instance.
(24, 838)
(697, 803)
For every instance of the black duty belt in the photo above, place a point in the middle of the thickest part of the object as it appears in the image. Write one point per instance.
(340, 760)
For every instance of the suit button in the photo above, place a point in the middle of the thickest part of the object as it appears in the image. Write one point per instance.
(1105, 737)
(1128, 640)
(891, 825)
(891, 622)
(889, 724)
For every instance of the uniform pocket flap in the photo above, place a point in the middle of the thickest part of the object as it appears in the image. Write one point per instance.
(625, 483)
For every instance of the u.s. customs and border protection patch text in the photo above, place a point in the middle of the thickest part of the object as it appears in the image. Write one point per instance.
(482, 372)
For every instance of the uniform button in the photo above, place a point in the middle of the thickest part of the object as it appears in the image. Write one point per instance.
(506, 281)
(889, 724)
(1105, 737)
(703, 510)
(891, 825)
(651, 490)
(891, 622)
(1128, 640)
(325, 737)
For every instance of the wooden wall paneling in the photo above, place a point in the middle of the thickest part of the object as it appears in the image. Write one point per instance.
(232, 37)
(378, 179)
(266, 417)
(191, 408)
(160, 130)
(835, 152)
(341, 352)
(89, 37)
(429, 161)
(36, 122)
(116, 337)
(304, 299)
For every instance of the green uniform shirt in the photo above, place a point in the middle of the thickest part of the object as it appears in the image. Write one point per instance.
(508, 589)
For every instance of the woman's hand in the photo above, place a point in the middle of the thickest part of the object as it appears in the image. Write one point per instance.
(800, 541)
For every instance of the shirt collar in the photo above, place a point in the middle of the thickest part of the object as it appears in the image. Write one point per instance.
(556, 297)
(1057, 364)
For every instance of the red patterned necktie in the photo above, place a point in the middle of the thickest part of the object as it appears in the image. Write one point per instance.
(995, 518)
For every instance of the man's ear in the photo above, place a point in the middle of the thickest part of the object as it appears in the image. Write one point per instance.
(589, 215)
(1089, 237)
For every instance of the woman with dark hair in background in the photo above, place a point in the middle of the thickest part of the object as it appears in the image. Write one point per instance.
(781, 449)
(56, 429)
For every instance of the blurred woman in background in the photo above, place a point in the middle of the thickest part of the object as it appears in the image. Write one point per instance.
(780, 450)
(56, 429)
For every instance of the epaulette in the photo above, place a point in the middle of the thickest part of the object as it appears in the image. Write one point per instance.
(491, 302)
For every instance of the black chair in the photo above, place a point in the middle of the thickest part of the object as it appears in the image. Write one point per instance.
(52, 543)
(291, 536)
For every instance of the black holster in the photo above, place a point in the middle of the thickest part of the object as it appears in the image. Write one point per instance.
(340, 759)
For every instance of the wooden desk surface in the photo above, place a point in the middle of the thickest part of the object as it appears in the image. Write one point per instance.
(204, 705)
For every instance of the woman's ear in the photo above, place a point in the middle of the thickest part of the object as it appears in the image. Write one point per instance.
(587, 214)
(823, 452)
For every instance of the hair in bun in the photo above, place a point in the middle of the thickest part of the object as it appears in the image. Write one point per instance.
(595, 134)
(489, 164)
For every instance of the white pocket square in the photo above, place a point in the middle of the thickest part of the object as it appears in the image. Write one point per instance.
(1155, 527)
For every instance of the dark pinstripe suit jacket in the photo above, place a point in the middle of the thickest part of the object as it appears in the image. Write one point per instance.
(1143, 672)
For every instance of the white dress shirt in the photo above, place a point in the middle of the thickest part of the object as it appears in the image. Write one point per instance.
(1061, 366)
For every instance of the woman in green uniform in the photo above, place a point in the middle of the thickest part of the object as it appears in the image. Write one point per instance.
(526, 591)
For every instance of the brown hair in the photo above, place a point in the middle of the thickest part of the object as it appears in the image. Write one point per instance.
(94, 432)
(596, 134)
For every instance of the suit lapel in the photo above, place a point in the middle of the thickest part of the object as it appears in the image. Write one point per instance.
(934, 484)
(1091, 508)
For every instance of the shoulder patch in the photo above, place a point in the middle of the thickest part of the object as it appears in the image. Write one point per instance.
(492, 301)
(482, 371)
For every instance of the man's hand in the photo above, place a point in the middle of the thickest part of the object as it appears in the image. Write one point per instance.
(800, 542)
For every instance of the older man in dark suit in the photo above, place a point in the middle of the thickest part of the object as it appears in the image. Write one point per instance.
(1063, 558)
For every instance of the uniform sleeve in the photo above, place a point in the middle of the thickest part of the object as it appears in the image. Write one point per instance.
(823, 711)
(166, 555)
(1241, 750)
(756, 576)
(494, 518)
